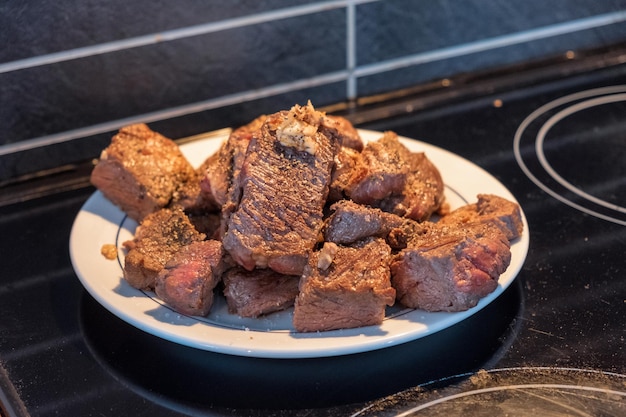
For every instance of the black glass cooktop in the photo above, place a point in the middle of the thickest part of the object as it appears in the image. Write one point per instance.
(553, 342)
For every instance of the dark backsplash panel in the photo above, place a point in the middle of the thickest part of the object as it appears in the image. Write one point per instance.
(397, 28)
(71, 74)
(171, 74)
(484, 61)
(28, 28)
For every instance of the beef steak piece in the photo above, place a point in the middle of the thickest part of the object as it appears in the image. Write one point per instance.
(345, 287)
(258, 292)
(157, 238)
(343, 129)
(450, 268)
(489, 208)
(241, 140)
(187, 281)
(215, 179)
(284, 182)
(383, 172)
(141, 170)
(220, 168)
(350, 222)
(423, 192)
(391, 177)
(348, 166)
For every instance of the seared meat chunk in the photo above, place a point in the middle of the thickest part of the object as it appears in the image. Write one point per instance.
(242, 138)
(393, 178)
(215, 179)
(187, 281)
(345, 287)
(158, 237)
(141, 171)
(489, 208)
(423, 192)
(450, 268)
(399, 237)
(384, 171)
(342, 128)
(258, 292)
(224, 165)
(284, 183)
(349, 222)
(349, 165)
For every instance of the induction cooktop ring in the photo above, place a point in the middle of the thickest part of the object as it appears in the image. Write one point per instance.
(532, 133)
(510, 391)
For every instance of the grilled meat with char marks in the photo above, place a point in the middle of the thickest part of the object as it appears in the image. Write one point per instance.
(284, 182)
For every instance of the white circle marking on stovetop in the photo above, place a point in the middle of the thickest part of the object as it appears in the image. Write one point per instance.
(529, 385)
(596, 92)
(509, 387)
(568, 111)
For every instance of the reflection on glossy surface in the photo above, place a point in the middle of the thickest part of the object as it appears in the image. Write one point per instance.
(180, 377)
(512, 392)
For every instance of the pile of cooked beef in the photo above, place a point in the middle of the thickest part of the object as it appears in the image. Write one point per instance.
(295, 210)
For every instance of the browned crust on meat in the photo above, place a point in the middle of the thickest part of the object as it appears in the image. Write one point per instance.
(141, 170)
(450, 268)
(188, 278)
(284, 184)
(347, 293)
(489, 208)
(341, 127)
(159, 236)
(349, 222)
(267, 192)
(391, 177)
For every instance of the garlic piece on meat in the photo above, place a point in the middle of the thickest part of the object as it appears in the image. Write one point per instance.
(296, 132)
(326, 255)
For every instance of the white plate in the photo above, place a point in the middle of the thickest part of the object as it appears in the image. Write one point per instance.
(99, 222)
